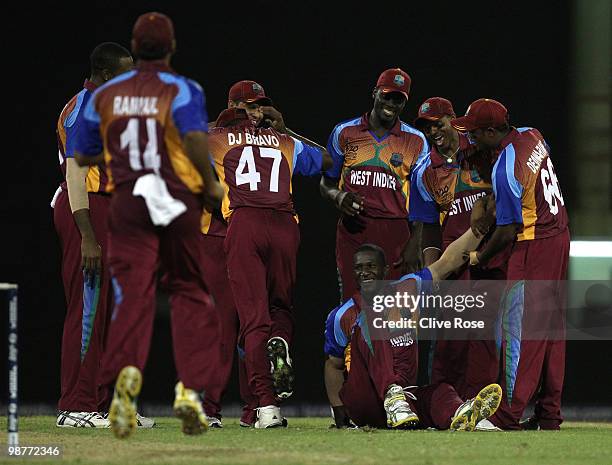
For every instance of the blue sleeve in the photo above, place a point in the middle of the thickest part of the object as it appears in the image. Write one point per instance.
(334, 150)
(307, 160)
(72, 123)
(423, 279)
(88, 140)
(332, 326)
(421, 205)
(188, 106)
(508, 191)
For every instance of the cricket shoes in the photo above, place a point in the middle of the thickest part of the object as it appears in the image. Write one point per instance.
(66, 419)
(269, 417)
(473, 411)
(280, 367)
(214, 422)
(141, 421)
(399, 413)
(122, 412)
(188, 407)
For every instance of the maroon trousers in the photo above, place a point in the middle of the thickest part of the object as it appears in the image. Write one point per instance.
(88, 308)
(391, 234)
(261, 248)
(137, 248)
(531, 357)
(371, 372)
(215, 271)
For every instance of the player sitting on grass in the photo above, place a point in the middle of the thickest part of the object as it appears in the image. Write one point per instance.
(372, 393)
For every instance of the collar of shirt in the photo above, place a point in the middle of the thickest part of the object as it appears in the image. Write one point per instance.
(90, 86)
(438, 160)
(364, 125)
(513, 134)
(153, 65)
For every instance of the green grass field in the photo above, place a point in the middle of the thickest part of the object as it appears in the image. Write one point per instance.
(309, 441)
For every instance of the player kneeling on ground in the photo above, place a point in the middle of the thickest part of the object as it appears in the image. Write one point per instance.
(372, 392)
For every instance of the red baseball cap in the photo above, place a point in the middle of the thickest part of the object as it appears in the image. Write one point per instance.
(394, 80)
(433, 109)
(483, 113)
(153, 34)
(248, 91)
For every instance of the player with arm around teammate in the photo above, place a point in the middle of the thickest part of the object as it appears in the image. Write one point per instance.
(256, 166)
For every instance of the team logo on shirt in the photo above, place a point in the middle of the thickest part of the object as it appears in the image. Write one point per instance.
(396, 159)
(398, 80)
(424, 107)
(350, 151)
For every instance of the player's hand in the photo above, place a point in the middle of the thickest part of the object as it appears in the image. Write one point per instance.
(411, 259)
(274, 118)
(213, 195)
(349, 203)
(482, 217)
(91, 257)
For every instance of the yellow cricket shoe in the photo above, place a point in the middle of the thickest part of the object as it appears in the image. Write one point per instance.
(188, 407)
(122, 413)
(481, 407)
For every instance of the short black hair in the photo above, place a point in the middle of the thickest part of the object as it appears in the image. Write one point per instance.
(373, 248)
(107, 56)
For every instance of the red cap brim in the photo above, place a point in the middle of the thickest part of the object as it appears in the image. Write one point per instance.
(388, 90)
(265, 101)
(463, 123)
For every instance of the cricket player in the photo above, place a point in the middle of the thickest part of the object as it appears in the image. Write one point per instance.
(531, 217)
(80, 216)
(373, 156)
(444, 188)
(249, 96)
(256, 165)
(149, 125)
(372, 393)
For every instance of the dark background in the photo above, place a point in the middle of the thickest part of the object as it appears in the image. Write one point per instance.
(319, 63)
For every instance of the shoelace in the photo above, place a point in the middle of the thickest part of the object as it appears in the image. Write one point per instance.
(408, 393)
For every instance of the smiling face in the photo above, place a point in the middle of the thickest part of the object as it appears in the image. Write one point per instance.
(369, 269)
(440, 133)
(253, 109)
(388, 105)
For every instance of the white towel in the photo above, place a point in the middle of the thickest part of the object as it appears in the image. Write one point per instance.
(163, 208)
(55, 196)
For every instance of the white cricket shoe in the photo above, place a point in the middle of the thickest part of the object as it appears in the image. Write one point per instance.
(67, 419)
(144, 422)
(268, 417)
(474, 411)
(399, 413)
(486, 425)
(214, 422)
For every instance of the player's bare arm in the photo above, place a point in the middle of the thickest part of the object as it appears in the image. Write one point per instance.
(483, 214)
(196, 147)
(502, 237)
(334, 378)
(349, 203)
(91, 252)
(455, 255)
(422, 249)
(275, 119)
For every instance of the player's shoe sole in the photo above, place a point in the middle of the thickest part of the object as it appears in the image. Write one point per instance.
(188, 408)
(482, 406)
(122, 412)
(409, 422)
(281, 369)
